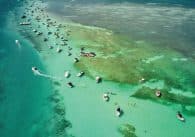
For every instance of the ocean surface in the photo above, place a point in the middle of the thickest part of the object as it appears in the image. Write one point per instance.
(43, 106)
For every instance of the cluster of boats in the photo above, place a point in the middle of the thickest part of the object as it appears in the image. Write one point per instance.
(67, 74)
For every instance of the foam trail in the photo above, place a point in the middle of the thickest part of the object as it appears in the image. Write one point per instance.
(48, 76)
(18, 44)
(37, 72)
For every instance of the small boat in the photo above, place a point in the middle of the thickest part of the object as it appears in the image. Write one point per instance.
(34, 30)
(76, 60)
(118, 111)
(39, 33)
(67, 74)
(106, 97)
(98, 79)
(90, 54)
(180, 116)
(142, 80)
(35, 71)
(17, 42)
(69, 54)
(70, 84)
(158, 93)
(50, 47)
(58, 50)
(80, 74)
(25, 23)
(45, 39)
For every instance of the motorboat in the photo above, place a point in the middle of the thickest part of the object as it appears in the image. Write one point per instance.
(180, 116)
(69, 84)
(67, 74)
(50, 47)
(106, 97)
(76, 60)
(89, 54)
(142, 80)
(118, 111)
(158, 93)
(34, 30)
(58, 50)
(36, 71)
(98, 79)
(69, 54)
(25, 23)
(17, 42)
(80, 74)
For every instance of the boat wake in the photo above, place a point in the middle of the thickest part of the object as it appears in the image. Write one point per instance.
(38, 73)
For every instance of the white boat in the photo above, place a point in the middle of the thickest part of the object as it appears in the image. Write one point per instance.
(80, 74)
(67, 74)
(118, 111)
(180, 117)
(76, 60)
(34, 30)
(98, 79)
(17, 42)
(58, 50)
(158, 93)
(25, 23)
(106, 97)
(69, 84)
(35, 71)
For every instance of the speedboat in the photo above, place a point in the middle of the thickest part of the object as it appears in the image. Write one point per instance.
(106, 97)
(142, 80)
(35, 70)
(80, 74)
(180, 116)
(17, 42)
(118, 111)
(34, 30)
(76, 60)
(69, 54)
(67, 74)
(50, 47)
(98, 79)
(70, 84)
(158, 93)
(58, 50)
(25, 23)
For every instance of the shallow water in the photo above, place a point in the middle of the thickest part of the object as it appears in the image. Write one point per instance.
(157, 40)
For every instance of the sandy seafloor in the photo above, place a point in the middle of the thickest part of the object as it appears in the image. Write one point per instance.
(160, 34)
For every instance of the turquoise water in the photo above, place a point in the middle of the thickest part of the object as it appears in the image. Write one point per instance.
(26, 109)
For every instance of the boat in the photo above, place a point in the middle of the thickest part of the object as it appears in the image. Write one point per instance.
(180, 116)
(35, 71)
(106, 97)
(67, 74)
(158, 93)
(98, 79)
(17, 42)
(50, 47)
(58, 50)
(118, 111)
(34, 30)
(88, 54)
(76, 60)
(80, 74)
(142, 80)
(70, 84)
(69, 54)
(25, 23)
